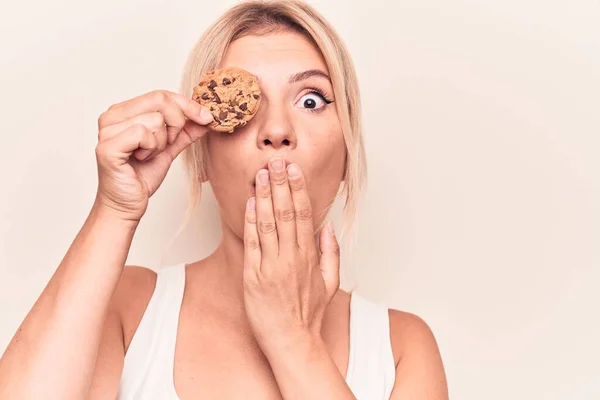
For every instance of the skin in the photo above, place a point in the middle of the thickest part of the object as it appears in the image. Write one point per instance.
(265, 307)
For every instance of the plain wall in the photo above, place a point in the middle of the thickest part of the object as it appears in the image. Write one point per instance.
(482, 122)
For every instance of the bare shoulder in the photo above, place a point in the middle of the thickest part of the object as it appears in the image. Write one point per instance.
(419, 367)
(136, 283)
(406, 331)
(131, 297)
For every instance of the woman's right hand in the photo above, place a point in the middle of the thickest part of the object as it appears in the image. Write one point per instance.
(137, 141)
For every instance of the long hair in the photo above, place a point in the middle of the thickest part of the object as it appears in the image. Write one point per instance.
(264, 17)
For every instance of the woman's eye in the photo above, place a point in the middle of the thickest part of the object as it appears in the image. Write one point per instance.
(311, 101)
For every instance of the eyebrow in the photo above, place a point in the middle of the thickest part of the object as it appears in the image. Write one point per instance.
(300, 76)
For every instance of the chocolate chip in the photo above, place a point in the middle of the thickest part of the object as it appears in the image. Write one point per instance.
(231, 109)
(217, 98)
(240, 93)
(212, 85)
(239, 115)
(226, 81)
(244, 106)
(205, 96)
(223, 115)
(256, 96)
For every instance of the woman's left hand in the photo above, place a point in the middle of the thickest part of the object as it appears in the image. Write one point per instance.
(287, 285)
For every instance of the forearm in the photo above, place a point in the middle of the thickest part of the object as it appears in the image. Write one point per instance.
(304, 369)
(54, 351)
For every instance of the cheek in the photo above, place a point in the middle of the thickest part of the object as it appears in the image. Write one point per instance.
(226, 153)
(325, 168)
(228, 176)
(329, 148)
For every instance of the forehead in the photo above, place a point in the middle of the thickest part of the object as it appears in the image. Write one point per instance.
(275, 55)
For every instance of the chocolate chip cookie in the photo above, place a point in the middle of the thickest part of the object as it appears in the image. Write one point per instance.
(232, 96)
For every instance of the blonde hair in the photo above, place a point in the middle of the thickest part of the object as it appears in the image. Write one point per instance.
(263, 17)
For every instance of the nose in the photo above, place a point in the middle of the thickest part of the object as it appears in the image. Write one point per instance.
(275, 129)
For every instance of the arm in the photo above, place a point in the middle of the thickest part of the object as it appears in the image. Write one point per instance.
(304, 369)
(127, 307)
(54, 352)
(62, 332)
(420, 371)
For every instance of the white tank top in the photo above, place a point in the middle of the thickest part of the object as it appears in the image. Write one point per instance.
(148, 368)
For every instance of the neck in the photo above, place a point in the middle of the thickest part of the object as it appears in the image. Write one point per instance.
(225, 268)
(221, 277)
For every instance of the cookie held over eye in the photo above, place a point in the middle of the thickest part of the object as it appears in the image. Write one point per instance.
(231, 94)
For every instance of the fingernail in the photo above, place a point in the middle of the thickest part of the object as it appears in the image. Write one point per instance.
(263, 177)
(252, 204)
(206, 115)
(277, 164)
(293, 171)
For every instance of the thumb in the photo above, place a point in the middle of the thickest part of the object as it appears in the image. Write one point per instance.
(330, 259)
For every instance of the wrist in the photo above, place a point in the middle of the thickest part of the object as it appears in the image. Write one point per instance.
(105, 218)
(102, 212)
(293, 344)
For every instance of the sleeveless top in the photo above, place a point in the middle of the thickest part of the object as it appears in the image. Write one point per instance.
(148, 366)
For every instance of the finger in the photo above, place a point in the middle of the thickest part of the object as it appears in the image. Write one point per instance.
(252, 256)
(283, 205)
(190, 133)
(125, 143)
(151, 120)
(267, 229)
(329, 262)
(172, 105)
(161, 137)
(302, 209)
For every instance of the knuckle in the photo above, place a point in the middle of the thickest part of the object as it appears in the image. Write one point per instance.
(251, 218)
(113, 107)
(139, 130)
(104, 134)
(279, 179)
(100, 153)
(266, 227)
(99, 149)
(296, 184)
(304, 214)
(157, 120)
(103, 119)
(264, 193)
(285, 215)
(252, 243)
(159, 96)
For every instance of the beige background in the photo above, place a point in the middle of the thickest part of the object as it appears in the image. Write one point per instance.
(482, 130)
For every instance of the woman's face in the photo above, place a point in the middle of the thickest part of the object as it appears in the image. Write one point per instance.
(294, 121)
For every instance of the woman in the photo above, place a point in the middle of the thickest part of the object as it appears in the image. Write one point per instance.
(263, 316)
